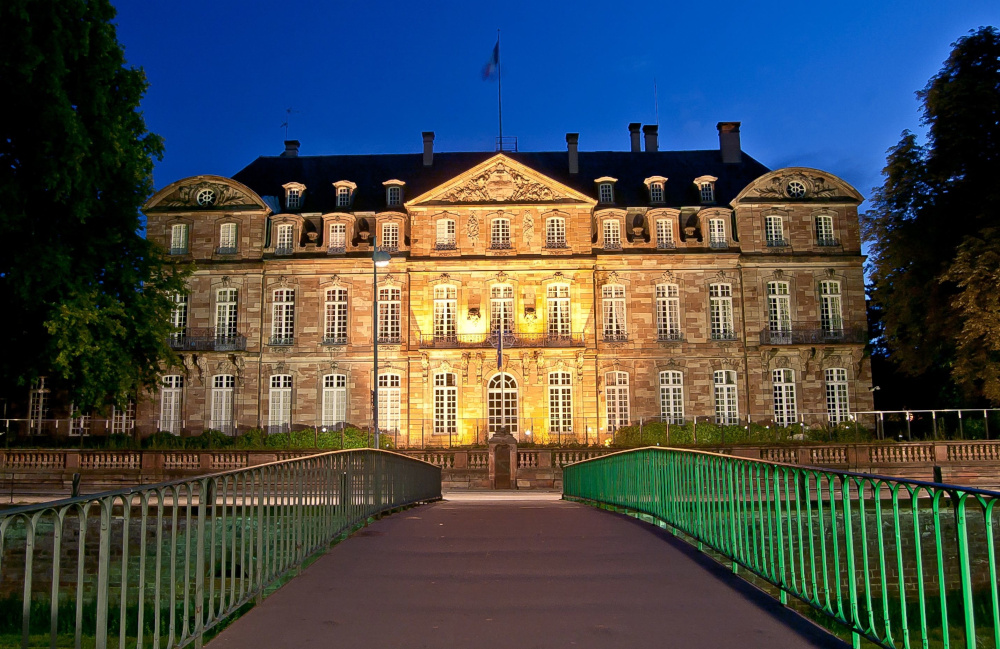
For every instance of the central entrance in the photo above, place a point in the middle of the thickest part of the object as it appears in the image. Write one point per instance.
(502, 404)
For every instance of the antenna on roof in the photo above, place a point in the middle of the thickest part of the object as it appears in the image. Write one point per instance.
(656, 103)
(288, 118)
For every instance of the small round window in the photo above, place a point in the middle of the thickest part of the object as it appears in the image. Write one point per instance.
(206, 197)
(796, 189)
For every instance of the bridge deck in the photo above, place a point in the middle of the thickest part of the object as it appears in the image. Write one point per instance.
(517, 571)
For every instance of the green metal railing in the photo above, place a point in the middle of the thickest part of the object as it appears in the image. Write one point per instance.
(158, 566)
(901, 563)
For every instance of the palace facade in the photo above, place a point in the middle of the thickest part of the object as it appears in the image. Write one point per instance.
(623, 286)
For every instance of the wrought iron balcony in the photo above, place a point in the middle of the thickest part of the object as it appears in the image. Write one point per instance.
(670, 337)
(283, 251)
(227, 250)
(207, 340)
(810, 334)
(336, 250)
(179, 251)
(390, 249)
(827, 243)
(776, 243)
(445, 245)
(510, 339)
(281, 341)
(615, 337)
(723, 335)
(612, 245)
(555, 245)
(665, 245)
(335, 340)
(390, 340)
(500, 245)
(718, 245)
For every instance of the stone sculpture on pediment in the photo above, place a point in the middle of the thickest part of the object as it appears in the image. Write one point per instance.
(499, 184)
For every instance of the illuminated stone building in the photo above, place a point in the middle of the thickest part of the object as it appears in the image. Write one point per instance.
(629, 285)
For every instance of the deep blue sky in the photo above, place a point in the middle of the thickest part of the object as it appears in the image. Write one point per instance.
(827, 85)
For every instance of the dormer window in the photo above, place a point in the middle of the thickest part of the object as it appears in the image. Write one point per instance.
(393, 192)
(390, 237)
(293, 195)
(656, 186)
(606, 189)
(706, 188)
(345, 192)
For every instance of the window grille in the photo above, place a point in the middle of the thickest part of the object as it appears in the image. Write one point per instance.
(726, 405)
(335, 329)
(668, 312)
(560, 402)
(720, 306)
(783, 386)
(389, 329)
(672, 397)
(615, 328)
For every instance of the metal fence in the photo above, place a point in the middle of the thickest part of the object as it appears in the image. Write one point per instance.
(955, 423)
(901, 563)
(158, 566)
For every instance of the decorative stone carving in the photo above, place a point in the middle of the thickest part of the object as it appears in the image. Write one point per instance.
(613, 278)
(667, 277)
(425, 364)
(227, 281)
(499, 184)
(336, 280)
(529, 228)
(465, 368)
(202, 364)
(579, 364)
(472, 228)
(206, 195)
(778, 187)
(480, 359)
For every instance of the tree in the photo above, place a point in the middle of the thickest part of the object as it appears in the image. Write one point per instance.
(932, 223)
(86, 297)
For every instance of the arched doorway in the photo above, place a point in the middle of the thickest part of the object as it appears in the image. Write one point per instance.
(502, 404)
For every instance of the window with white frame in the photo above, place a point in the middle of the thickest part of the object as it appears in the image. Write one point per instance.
(502, 308)
(672, 397)
(445, 301)
(717, 233)
(283, 317)
(557, 311)
(222, 403)
(774, 232)
(656, 192)
(560, 402)
(606, 193)
(179, 318)
(783, 389)
(831, 318)
(37, 405)
(616, 400)
(668, 312)
(664, 234)
(501, 404)
(720, 307)
(613, 308)
(500, 234)
(335, 400)
(171, 400)
(279, 413)
(293, 198)
(226, 308)
(335, 327)
(79, 425)
(707, 192)
(393, 195)
(824, 230)
(227, 238)
(179, 239)
(123, 418)
(838, 408)
(779, 312)
(445, 404)
(286, 235)
(343, 196)
(726, 408)
(612, 234)
(390, 237)
(389, 330)
(389, 391)
(445, 234)
(555, 232)
(338, 239)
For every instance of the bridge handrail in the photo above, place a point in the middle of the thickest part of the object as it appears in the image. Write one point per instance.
(164, 563)
(884, 557)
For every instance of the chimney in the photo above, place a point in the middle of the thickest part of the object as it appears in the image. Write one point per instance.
(729, 142)
(428, 148)
(633, 132)
(572, 140)
(649, 130)
(291, 149)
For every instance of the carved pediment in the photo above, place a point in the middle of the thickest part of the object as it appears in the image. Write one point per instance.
(205, 193)
(798, 184)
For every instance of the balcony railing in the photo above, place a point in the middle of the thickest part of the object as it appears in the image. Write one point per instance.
(665, 245)
(335, 340)
(827, 243)
(813, 335)
(281, 341)
(718, 245)
(283, 251)
(615, 337)
(445, 245)
(555, 245)
(511, 339)
(776, 243)
(207, 340)
(390, 340)
(723, 335)
(612, 245)
(670, 337)
(336, 250)
(225, 250)
(500, 245)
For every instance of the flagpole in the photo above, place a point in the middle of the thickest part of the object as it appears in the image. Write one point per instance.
(499, 94)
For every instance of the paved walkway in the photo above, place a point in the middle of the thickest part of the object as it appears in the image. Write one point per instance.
(510, 571)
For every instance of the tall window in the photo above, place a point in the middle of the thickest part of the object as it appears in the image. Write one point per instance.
(726, 410)
(837, 406)
(338, 239)
(393, 195)
(502, 404)
(123, 419)
(390, 237)
(335, 328)
(343, 196)
(388, 402)
(388, 315)
(824, 230)
(612, 234)
(171, 398)
(445, 234)
(779, 312)
(555, 232)
(179, 239)
(672, 397)
(500, 234)
(445, 404)
(606, 193)
(79, 425)
(226, 308)
(774, 232)
(664, 234)
(783, 383)
(279, 417)
(445, 298)
(831, 319)
(179, 318)
(222, 403)
(717, 233)
(720, 307)
(614, 312)
(668, 312)
(560, 402)
(502, 308)
(283, 317)
(656, 193)
(558, 315)
(37, 405)
(286, 233)
(293, 199)
(707, 192)
(335, 400)
(227, 238)
(616, 391)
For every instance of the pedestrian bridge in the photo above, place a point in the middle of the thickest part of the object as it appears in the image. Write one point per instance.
(891, 562)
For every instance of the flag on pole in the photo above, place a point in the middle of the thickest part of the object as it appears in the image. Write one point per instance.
(493, 65)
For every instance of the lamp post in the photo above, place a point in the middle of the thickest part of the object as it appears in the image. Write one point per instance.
(380, 259)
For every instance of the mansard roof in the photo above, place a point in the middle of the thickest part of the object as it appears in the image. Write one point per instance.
(267, 174)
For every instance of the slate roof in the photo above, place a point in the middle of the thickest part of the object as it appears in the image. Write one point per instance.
(267, 174)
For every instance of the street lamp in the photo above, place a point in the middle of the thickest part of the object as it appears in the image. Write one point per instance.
(380, 259)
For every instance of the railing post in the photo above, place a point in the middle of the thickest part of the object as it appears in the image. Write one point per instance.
(103, 567)
(199, 570)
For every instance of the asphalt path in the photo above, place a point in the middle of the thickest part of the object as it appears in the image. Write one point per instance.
(511, 571)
